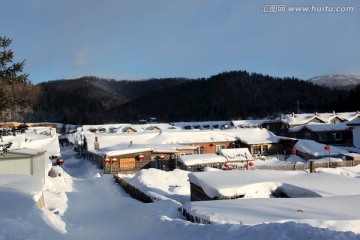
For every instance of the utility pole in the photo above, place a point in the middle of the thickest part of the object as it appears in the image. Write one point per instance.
(298, 108)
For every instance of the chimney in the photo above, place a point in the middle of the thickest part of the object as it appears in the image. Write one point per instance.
(131, 143)
(293, 114)
(96, 144)
(334, 112)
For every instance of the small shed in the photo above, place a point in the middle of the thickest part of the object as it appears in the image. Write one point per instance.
(197, 162)
(23, 161)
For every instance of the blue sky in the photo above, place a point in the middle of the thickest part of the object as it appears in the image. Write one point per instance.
(140, 39)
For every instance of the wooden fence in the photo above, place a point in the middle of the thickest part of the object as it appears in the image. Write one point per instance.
(133, 191)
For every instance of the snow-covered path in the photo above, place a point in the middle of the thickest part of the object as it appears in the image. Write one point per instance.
(99, 209)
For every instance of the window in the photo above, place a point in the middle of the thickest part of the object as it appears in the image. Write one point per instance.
(322, 136)
(198, 150)
(337, 136)
(256, 149)
(307, 135)
(219, 147)
(293, 135)
(235, 146)
(265, 149)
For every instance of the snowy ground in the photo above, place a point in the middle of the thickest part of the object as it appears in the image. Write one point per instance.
(84, 204)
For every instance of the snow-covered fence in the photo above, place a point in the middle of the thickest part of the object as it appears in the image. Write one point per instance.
(194, 219)
(133, 191)
(307, 166)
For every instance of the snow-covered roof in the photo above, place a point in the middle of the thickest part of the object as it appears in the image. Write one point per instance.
(237, 183)
(303, 118)
(320, 127)
(203, 125)
(317, 149)
(248, 123)
(121, 127)
(309, 211)
(297, 119)
(355, 122)
(121, 149)
(255, 135)
(201, 159)
(236, 154)
(348, 116)
(246, 135)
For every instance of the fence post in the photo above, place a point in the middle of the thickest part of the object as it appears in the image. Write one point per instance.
(312, 166)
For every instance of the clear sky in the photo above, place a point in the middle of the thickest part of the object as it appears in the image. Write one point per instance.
(140, 39)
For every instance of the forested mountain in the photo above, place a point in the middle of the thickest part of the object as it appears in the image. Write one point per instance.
(229, 95)
(86, 100)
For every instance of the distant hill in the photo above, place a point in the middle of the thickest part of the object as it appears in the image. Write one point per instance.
(230, 95)
(85, 100)
(338, 81)
(225, 96)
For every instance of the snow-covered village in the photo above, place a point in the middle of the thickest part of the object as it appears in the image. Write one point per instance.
(183, 180)
(191, 119)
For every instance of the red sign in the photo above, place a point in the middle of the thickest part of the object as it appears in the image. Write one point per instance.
(127, 163)
(327, 148)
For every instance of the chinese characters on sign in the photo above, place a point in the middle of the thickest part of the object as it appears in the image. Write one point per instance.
(127, 163)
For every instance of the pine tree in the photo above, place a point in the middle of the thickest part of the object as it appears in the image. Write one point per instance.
(11, 77)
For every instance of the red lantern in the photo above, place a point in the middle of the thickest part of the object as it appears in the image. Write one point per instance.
(162, 157)
(293, 150)
(327, 148)
(203, 147)
(107, 160)
(251, 164)
(212, 144)
(113, 160)
(60, 161)
(227, 165)
(141, 157)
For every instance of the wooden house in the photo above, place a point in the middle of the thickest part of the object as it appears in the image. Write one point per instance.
(260, 141)
(129, 158)
(334, 134)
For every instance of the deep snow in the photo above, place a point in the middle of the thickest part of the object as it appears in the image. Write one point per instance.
(84, 204)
